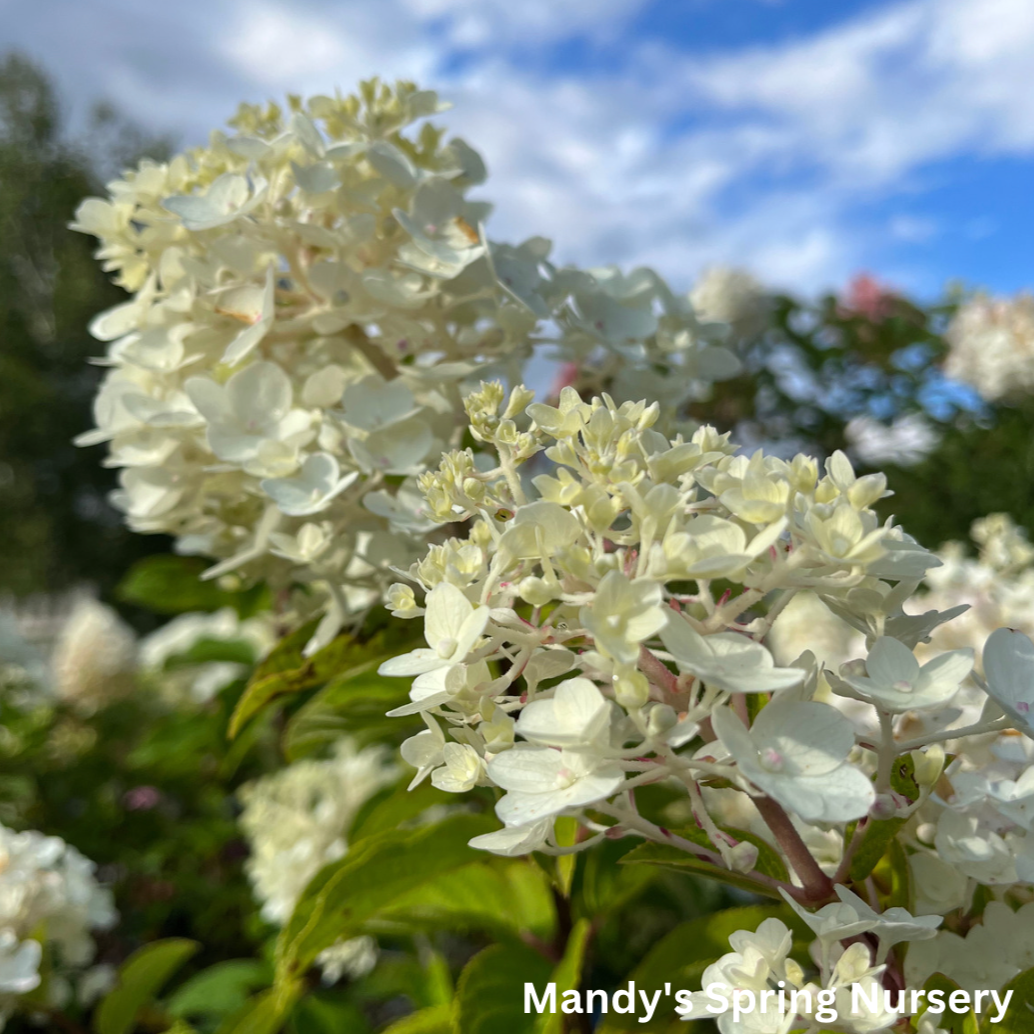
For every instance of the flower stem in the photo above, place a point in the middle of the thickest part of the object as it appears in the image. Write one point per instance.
(817, 885)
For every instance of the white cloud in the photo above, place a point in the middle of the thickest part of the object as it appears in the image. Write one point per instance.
(766, 156)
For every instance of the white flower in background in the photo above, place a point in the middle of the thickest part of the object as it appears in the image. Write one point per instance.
(904, 443)
(49, 897)
(797, 753)
(727, 295)
(296, 821)
(94, 657)
(201, 680)
(940, 886)
(991, 345)
(895, 681)
(993, 951)
(312, 489)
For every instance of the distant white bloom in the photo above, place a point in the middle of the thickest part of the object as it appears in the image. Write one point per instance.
(991, 345)
(296, 822)
(49, 897)
(723, 294)
(906, 442)
(95, 656)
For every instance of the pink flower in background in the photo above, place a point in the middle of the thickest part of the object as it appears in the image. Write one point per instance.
(142, 798)
(867, 297)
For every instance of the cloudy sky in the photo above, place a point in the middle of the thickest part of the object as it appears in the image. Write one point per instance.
(805, 139)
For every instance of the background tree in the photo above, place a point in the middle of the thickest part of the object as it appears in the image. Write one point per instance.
(56, 527)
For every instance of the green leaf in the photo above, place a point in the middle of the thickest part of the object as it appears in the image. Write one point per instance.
(490, 992)
(566, 829)
(324, 1014)
(220, 990)
(370, 878)
(265, 1013)
(354, 704)
(498, 896)
(168, 584)
(567, 975)
(140, 978)
(1019, 1017)
(893, 876)
(395, 806)
(288, 671)
(903, 778)
(876, 836)
(436, 1020)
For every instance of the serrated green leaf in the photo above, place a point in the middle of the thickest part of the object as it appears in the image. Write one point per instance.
(355, 704)
(287, 671)
(499, 896)
(490, 991)
(394, 806)
(436, 1020)
(370, 878)
(1019, 1017)
(140, 978)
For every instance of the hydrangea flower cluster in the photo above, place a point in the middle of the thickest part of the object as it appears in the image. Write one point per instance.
(579, 647)
(772, 989)
(311, 296)
(295, 821)
(50, 902)
(991, 345)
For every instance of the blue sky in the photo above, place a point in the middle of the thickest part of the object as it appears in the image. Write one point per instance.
(804, 140)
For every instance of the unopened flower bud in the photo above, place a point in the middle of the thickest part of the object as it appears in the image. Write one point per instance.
(884, 807)
(929, 764)
(631, 689)
(743, 857)
(535, 591)
(661, 718)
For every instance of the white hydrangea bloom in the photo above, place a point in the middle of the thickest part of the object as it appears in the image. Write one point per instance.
(991, 345)
(312, 297)
(295, 821)
(50, 902)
